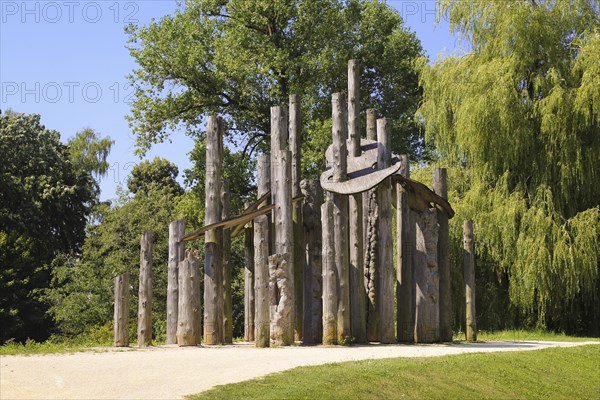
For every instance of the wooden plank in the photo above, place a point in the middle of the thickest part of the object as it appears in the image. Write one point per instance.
(420, 197)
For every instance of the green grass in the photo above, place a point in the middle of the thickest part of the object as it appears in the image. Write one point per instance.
(516, 335)
(557, 373)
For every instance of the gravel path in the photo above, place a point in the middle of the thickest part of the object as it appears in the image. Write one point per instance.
(170, 372)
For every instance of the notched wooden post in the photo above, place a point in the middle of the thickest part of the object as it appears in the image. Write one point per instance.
(262, 240)
(144, 331)
(440, 187)
(225, 260)
(330, 300)
(188, 325)
(121, 315)
(404, 290)
(249, 292)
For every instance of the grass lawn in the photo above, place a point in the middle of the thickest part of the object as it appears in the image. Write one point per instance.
(557, 373)
(523, 335)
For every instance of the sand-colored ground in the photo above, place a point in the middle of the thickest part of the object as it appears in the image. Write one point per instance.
(172, 372)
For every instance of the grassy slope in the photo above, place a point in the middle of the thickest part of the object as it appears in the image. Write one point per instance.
(559, 373)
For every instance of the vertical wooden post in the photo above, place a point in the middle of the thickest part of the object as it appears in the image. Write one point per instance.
(144, 331)
(296, 149)
(176, 256)
(249, 303)
(121, 315)
(284, 248)
(370, 217)
(188, 325)
(330, 301)
(440, 187)
(355, 213)
(404, 243)
(213, 271)
(427, 308)
(313, 287)
(226, 262)
(261, 258)
(469, 271)
(385, 264)
(340, 214)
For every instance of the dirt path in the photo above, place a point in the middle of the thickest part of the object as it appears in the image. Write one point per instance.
(172, 372)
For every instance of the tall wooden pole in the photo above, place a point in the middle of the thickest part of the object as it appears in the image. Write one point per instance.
(249, 292)
(404, 244)
(313, 287)
(144, 331)
(440, 187)
(261, 258)
(425, 261)
(340, 214)
(469, 267)
(188, 325)
(176, 256)
(296, 149)
(121, 315)
(370, 217)
(358, 320)
(213, 268)
(385, 264)
(330, 300)
(226, 260)
(284, 248)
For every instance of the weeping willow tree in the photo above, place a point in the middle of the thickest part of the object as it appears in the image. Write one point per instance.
(518, 119)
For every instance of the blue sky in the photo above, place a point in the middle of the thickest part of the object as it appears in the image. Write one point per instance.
(67, 61)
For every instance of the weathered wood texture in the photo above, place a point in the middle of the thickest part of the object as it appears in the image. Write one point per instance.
(371, 272)
(282, 318)
(312, 329)
(295, 148)
(213, 268)
(358, 321)
(427, 329)
(262, 227)
(440, 187)
(188, 325)
(121, 315)
(404, 246)
(329, 275)
(385, 259)
(226, 260)
(144, 330)
(249, 291)
(340, 214)
(284, 243)
(469, 271)
(354, 108)
(176, 256)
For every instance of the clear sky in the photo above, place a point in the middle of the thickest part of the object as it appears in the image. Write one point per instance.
(67, 61)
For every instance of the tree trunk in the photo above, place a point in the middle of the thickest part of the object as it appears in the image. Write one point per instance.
(340, 214)
(188, 326)
(249, 291)
(371, 272)
(427, 329)
(284, 246)
(313, 270)
(354, 108)
(295, 147)
(440, 187)
(213, 269)
(176, 256)
(469, 267)
(385, 259)
(329, 275)
(226, 262)
(121, 315)
(262, 241)
(144, 331)
(371, 124)
(404, 290)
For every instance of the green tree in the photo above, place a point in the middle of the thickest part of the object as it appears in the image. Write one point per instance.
(520, 114)
(159, 171)
(239, 57)
(47, 190)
